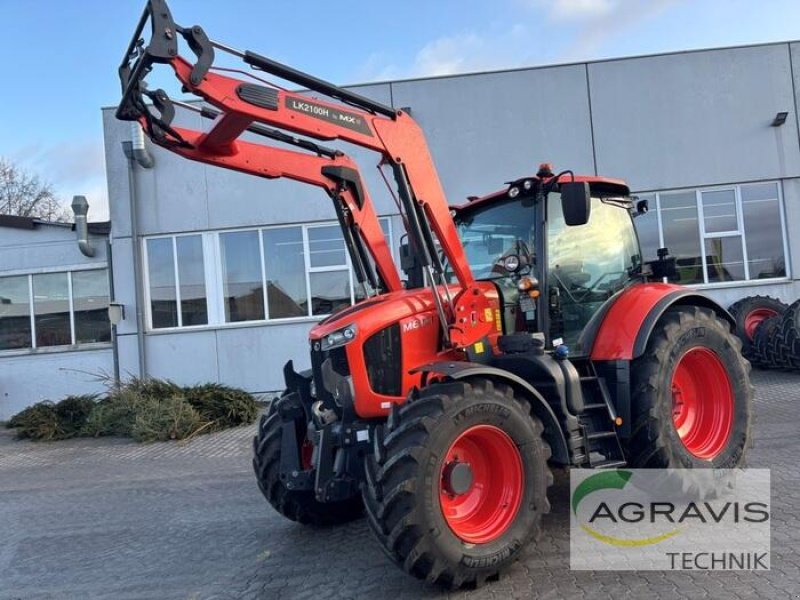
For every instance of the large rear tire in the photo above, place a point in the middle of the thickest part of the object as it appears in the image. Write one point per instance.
(457, 484)
(692, 398)
(297, 505)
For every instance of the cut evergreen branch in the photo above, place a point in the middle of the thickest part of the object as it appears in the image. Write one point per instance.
(146, 410)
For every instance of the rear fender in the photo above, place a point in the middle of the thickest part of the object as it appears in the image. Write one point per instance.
(624, 325)
(553, 433)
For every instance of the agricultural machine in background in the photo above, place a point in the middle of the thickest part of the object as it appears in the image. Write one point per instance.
(522, 336)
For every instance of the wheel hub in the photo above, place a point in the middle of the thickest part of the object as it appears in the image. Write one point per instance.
(481, 484)
(457, 478)
(702, 403)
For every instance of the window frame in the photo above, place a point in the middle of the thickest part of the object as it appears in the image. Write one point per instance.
(73, 346)
(213, 270)
(705, 236)
(219, 270)
(740, 232)
(146, 280)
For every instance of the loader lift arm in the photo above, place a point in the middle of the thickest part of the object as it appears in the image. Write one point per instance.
(241, 107)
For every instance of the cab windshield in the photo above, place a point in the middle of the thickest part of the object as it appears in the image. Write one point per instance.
(490, 234)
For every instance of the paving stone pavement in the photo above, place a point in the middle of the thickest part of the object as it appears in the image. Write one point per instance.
(114, 519)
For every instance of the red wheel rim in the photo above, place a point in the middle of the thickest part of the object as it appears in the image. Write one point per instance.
(754, 318)
(485, 510)
(702, 403)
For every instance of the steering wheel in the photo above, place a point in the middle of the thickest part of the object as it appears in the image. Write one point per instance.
(515, 262)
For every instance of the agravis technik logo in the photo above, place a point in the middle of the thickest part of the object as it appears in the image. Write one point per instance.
(670, 519)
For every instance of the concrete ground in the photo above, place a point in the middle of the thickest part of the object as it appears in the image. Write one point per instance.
(114, 519)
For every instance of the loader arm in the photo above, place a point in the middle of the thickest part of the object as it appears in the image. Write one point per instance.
(241, 106)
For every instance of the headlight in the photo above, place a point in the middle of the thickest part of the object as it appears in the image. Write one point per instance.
(338, 338)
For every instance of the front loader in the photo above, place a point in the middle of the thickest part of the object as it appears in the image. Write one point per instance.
(523, 334)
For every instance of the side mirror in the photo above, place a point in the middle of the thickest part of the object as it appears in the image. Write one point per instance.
(576, 202)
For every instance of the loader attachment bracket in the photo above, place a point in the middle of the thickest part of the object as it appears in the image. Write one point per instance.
(201, 46)
(141, 55)
(161, 48)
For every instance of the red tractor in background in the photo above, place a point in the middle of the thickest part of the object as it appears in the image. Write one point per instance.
(524, 336)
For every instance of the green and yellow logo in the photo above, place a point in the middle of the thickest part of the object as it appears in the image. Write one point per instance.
(610, 480)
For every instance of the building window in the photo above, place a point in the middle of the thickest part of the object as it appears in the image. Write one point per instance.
(45, 310)
(90, 306)
(329, 277)
(16, 328)
(177, 281)
(284, 263)
(242, 276)
(270, 273)
(191, 280)
(718, 235)
(163, 296)
(762, 212)
(51, 310)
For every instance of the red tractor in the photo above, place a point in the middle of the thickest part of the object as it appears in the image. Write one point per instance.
(524, 336)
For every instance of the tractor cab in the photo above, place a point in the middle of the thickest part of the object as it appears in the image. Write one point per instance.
(557, 252)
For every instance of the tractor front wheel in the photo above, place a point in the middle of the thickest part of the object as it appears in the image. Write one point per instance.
(457, 485)
(297, 505)
(692, 398)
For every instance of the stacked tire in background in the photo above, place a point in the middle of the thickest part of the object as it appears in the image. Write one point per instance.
(789, 336)
(769, 330)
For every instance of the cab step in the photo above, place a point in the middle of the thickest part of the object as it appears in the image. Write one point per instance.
(599, 425)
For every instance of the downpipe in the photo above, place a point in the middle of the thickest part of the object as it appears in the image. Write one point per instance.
(137, 154)
(143, 158)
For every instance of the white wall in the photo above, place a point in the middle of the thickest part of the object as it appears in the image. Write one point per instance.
(694, 119)
(30, 378)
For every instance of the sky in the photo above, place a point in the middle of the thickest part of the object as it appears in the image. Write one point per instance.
(58, 58)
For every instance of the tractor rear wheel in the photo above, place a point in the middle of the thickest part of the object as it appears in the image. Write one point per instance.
(691, 395)
(297, 505)
(457, 484)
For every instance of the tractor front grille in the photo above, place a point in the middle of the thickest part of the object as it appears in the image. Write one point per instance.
(382, 355)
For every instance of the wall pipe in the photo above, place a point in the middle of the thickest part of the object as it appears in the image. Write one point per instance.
(140, 153)
(112, 295)
(137, 154)
(80, 208)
